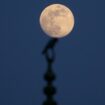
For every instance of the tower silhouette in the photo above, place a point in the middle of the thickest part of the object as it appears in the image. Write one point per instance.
(50, 76)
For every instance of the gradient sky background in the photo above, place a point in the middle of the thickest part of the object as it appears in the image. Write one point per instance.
(80, 62)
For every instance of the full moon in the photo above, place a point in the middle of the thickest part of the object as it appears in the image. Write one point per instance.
(57, 20)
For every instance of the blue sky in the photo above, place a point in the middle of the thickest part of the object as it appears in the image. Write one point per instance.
(80, 61)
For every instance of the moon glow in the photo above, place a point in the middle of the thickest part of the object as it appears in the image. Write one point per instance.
(57, 20)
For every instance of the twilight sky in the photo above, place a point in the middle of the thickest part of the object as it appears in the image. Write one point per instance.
(80, 61)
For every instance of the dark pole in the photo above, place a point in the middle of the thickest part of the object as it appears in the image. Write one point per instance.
(49, 76)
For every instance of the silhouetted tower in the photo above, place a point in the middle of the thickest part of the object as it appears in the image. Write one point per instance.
(49, 76)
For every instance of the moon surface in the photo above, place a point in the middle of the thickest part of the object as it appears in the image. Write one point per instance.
(57, 20)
